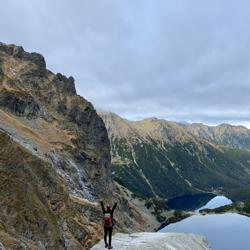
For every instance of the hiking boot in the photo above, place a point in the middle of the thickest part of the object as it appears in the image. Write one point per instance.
(110, 247)
(106, 245)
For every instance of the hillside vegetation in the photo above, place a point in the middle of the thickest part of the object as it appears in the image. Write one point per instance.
(54, 161)
(158, 158)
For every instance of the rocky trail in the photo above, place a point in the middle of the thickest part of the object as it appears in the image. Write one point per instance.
(159, 241)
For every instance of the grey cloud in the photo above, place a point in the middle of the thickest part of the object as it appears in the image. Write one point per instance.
(175, 59)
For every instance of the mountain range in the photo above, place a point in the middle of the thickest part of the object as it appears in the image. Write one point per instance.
(59, 158)
(158, 158)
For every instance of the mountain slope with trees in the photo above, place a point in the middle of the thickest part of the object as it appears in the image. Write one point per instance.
(158, 158)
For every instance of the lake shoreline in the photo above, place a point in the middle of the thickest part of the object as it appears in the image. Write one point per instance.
(182, 214)
(175, 219)
(205, 212)
(218, 220)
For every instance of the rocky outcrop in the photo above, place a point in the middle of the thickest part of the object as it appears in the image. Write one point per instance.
(159, 241)
(43, 99)
(19, 104)
(19, 53)
(54, 161)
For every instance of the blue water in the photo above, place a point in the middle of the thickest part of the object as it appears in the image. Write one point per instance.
(217, 201)
(224, 232)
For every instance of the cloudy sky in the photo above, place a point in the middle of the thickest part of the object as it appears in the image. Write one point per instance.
(174, 59)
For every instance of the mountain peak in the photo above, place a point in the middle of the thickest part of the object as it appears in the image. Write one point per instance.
(30, 69)
(19, 53)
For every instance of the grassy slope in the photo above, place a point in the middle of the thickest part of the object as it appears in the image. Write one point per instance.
(34, 204)
(171, 169)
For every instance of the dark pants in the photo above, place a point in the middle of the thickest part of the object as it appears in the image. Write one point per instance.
(106, 232)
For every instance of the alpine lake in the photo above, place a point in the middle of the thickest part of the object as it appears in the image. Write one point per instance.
(229, 231)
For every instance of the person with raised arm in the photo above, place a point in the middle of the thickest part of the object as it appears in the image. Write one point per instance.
(108, 223)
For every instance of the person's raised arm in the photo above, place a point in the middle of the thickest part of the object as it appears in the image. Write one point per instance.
(113, 209)
(103, 209)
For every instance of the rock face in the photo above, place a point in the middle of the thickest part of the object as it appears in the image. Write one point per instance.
(37, 212)
(54, 161)
(159, 241)
(158, 158)
(42, 111)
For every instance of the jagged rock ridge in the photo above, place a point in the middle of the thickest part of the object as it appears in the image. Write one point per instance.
(237, 137)
(42, 99)
(54, 161)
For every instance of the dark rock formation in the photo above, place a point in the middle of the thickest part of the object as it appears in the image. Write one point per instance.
(66, 85)
(19, 53)
(19, 104)
(54, 160)
(25, 92)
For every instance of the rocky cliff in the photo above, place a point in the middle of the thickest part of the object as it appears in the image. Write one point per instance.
(54, 161)
(42, 111)
(159, 158)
